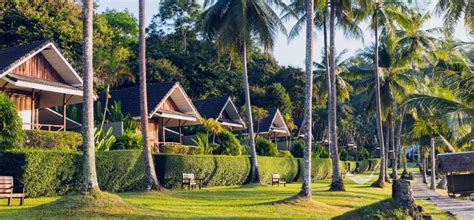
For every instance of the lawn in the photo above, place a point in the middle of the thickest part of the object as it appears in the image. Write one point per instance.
(230, 202)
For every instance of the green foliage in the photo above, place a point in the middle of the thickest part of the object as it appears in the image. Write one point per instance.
(129, 140)
(214, 170)
(265, 147)
(279, 98)
(228, 144)
(115, 112)
(287, 167)
(202, 141)
(285, 153)
(103, 140)
(298, 148)
(11, 129)
(172, 148)
(53, 140)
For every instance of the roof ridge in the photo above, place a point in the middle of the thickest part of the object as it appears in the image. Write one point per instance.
(134, 86)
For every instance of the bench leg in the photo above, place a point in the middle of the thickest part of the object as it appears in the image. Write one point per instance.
(189, 187)
(22, 201)
(9, 201)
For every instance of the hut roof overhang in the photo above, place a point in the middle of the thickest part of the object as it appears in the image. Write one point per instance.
(456, 162)
(221, 109)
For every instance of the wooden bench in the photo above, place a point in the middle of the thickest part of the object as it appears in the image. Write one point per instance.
(6, 190)
(276, 179)
(191, 181)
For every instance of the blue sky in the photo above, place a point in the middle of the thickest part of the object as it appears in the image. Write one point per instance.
(292, 53)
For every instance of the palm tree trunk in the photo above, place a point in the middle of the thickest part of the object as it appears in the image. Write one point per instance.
(152, 180)
(392, 143)
(398, 148)
(254, 175)
(337, 184)
(89, 173)
(378, 115)
(423, 161)
(387, 149)
(106, 106)
(306, 191)
(433, 165)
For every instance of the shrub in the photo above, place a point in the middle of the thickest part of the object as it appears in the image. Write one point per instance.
(173, 148)
(11, 128)
(228, 144)
(129, 140)
(298, 148)
(53, 140)
(286, 167)
(246, 150)
(265, 147)
(214, 170)
(285, 153)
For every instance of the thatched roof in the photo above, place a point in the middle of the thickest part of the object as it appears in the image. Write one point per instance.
(456, 162)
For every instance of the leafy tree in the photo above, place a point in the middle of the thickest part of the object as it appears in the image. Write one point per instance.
(266, 147)
(228, 144)
(453, 11)
(279, 98)
(259, 114)
(11, 129)
(232, 24)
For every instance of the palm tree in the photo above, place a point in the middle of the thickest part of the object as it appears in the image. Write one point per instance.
(259, 114)
(152, 180)
(306, 191)
(453, 11)
(89, 173)
(213, 126)
(233, 24)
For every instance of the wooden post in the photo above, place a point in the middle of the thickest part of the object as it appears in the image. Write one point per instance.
(33, 111)
(180, 134)
(163, 132)
(64, 112)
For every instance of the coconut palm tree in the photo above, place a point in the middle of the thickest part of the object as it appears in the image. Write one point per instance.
(306, 191)
(453, 11)
(233, 24)
(259, 114)
(213, 126)
(152, 180)
(89, 173)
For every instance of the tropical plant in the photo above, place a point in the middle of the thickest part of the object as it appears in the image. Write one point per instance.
(115, 113)
(233, 24)
(227, 144)
(11, 129)
(152, 180)
(103, 139)
(201, 140)
(453, 11)
(212, 126)
(89, 174)
(129, 140)
(266, 148)
(259, 114)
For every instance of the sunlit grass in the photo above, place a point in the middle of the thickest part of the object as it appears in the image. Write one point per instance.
(226, 202)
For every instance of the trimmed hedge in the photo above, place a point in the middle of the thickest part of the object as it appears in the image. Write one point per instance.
(180, 149)
(58, 140)
(49, 173)
(214, 170)
(287, 167)
(367, 165)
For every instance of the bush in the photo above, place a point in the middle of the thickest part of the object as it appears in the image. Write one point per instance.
(11, 126)
(129, 140)
(173, 148)
(265, 147)
(228, 144)
(214, 170)
(53, 140)
(286, 167)
(298, 148)
(285, 153)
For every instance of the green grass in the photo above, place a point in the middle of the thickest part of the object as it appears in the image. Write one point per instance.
(220, 202)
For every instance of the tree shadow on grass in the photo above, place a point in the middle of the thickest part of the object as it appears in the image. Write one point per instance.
(380, 210)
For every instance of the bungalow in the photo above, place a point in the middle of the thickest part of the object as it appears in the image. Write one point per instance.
(272, 126)
(37, 77)
(168, 107)
(221, 109)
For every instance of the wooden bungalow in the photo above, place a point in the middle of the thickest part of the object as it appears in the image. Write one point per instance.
(272, 126)
(36, 76)
(459, 170)
(221, 109)
(168, 107)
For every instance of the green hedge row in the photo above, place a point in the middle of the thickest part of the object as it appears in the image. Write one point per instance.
(48, 173)
(56, 140)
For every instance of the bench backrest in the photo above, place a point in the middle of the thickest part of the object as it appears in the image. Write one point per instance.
(188, 177)
(6, 184)
(276, 176)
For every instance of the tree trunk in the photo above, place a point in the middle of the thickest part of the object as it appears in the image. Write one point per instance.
(433, 164)
(398, 147)
(392, 143)
(106, 106)
(387, 149)
(423, 161)
(152, 180)
(378, 115)
(89, 173)
(306, 191)
(254, 175)
(337, 183)
(443, 184)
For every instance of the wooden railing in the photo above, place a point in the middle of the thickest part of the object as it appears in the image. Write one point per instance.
(48, 127)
